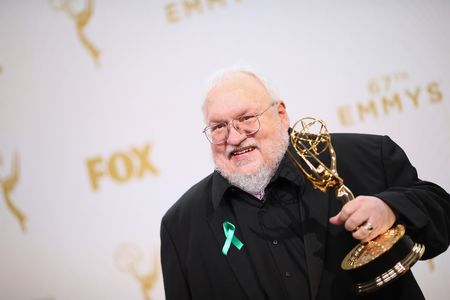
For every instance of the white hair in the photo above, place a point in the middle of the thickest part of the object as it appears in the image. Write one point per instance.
(222, 74)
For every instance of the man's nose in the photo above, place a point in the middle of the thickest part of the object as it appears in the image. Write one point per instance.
(234, 136)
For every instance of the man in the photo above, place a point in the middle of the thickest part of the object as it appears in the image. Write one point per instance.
(256, 228)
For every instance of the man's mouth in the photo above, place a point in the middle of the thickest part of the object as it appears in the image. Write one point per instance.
(241, 151)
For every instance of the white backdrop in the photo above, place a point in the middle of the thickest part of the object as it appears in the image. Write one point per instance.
(100, 120)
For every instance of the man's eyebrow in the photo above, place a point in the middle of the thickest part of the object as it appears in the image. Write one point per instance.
(217, 121)
(245, 112)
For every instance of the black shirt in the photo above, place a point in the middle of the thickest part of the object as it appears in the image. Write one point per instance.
(272, 233)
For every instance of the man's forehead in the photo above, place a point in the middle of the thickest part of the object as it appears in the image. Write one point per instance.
(233, 104)
(223, 110)
(234, 95)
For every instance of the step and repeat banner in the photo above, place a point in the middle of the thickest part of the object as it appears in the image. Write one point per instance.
(100, 118)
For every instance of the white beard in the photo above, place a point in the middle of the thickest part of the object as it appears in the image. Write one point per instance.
(256, 183)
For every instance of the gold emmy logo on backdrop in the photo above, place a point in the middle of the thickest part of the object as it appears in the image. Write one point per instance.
(388, 94)
(371, 264)
(185, 8)
(81, 18)
(8, 184)
(431, 265)
(128, 258)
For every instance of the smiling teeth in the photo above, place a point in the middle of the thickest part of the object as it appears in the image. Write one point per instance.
(243, 151)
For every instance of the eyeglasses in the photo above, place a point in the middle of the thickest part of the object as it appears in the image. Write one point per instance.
(248, 125)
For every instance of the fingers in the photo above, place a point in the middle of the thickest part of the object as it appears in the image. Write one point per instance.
(364, 232)
(347, 210)
(355, 220)
(336, 220)
(365, 217)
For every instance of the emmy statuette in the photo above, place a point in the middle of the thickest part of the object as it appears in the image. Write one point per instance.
(373, 264)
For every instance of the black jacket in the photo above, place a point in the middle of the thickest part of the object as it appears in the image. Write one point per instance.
(192, 236)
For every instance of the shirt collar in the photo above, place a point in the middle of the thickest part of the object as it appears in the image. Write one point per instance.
(219, 186)
(288, 170)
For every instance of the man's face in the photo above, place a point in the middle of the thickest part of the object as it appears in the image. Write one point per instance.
(241, 95)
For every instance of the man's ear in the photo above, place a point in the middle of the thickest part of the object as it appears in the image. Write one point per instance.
(281, 109)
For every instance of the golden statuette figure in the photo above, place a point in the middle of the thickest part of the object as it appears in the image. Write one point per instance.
(372, 264)
(8, 184)
(81, 18)
(128, 258)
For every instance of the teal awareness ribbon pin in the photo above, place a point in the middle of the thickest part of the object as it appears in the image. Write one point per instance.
(229, 229)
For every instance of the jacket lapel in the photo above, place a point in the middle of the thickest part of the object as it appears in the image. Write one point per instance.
(314, 213)
(238, 259)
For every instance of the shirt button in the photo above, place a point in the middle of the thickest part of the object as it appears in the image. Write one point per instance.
(275, 242)
(287, 274)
